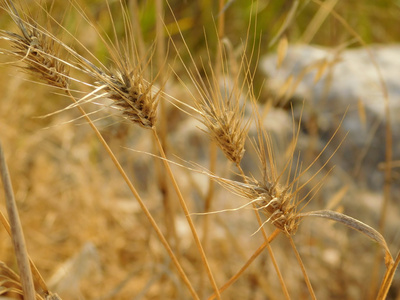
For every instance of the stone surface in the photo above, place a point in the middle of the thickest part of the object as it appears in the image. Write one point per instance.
(331, 81)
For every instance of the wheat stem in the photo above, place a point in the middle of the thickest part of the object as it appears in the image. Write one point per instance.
(388, 278)
(248, 263)
(17, 234)
(187, 214)
(303, 269)
(208, 201)
(271, 254)
(169, 212)
(140, 201)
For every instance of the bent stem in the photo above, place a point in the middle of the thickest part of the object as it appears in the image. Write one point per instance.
(248, 263)
(139, 199)
(388, 278)
(303, 269)
(187, 214)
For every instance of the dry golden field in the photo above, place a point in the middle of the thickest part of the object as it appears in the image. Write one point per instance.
(152, 156)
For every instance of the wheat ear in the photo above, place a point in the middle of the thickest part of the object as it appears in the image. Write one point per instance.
(37, 49)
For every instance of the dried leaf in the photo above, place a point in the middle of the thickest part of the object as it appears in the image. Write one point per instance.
(356, 225)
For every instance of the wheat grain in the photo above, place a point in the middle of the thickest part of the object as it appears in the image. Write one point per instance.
(38, 50)
(133, 96)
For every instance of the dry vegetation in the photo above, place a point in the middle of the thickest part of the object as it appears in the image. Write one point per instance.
(149, 161)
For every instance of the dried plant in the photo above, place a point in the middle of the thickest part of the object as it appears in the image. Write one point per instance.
(125, 85)
(220, 90)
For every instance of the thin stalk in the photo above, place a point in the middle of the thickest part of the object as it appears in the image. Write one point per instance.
(387, 187)
(17, 234)
(221, 32)
(388, 278)
(303, 269)
(140, 201)
(271, 254)
(163, 124)
(134, 11)
(213, 146)
(278, 272)
(187, 214)
(208, 202)
(248, 263)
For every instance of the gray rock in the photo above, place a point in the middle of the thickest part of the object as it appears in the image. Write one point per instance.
(331, 81)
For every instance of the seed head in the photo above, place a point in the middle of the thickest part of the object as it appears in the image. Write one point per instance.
(40, 53)
(273, 200)
(225, 129)
(278, 205)
(133, 96)
(37, 49)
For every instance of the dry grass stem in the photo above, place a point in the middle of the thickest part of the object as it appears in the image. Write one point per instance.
(188, 217)
(303, 269)
(10, 283)
(99, 60)
(248, 263)
(17, 235)
(11, 288)
(388, 278)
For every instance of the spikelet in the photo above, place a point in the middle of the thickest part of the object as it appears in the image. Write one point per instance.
(275, 201)
(277, 204)
(125, 85)
(131, 95)
(40, 55)
(37, 49)
(221, 104)
(225, 127)
(124, 82)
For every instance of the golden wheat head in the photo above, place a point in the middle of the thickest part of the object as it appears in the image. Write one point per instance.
(133, 96)
(226, 130)
(37, 49)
